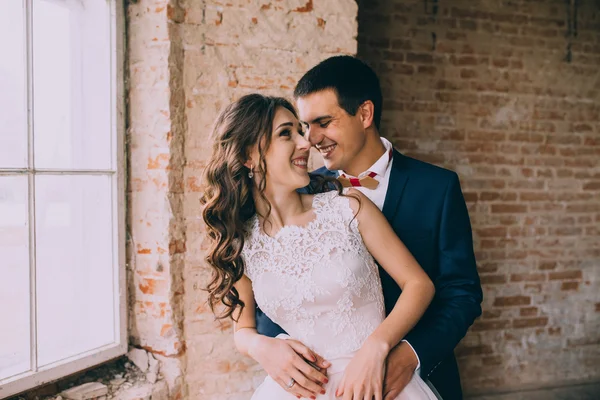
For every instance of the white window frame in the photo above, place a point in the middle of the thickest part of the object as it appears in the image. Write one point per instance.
(40, 376)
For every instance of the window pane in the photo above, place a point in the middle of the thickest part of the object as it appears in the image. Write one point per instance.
(75, 265)
(13, 85)
(71, 82)
(14, 269)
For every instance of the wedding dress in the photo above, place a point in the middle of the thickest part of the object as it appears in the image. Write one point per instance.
(321, 285)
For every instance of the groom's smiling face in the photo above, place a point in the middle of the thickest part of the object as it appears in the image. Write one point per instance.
(337, 135)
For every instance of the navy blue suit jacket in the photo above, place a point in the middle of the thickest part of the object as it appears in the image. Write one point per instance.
(426, 208)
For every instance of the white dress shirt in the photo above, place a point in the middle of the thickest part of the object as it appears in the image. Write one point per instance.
(383, 169)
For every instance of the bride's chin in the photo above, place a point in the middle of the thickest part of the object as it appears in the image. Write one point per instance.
(302, 183)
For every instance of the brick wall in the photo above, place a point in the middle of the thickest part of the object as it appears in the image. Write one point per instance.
(155, 138)
(187, 60)
(490, 90)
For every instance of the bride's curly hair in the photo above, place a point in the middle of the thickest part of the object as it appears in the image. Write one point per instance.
(228, 201)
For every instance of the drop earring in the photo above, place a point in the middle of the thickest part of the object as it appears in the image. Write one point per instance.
(251, 173)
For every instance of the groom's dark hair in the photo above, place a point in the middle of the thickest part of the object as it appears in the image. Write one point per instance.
(353, 81)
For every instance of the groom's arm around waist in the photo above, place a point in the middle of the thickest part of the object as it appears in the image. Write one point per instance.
(265, 326)
(457, 302)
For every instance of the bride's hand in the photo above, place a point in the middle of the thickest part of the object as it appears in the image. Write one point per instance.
(363, 377)
(286, 359)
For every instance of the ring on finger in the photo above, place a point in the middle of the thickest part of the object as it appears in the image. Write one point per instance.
(291, 383)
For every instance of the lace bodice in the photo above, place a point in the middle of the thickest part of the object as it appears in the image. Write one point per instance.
(318, 282)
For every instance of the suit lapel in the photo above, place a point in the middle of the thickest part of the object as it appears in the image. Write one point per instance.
(398, 179)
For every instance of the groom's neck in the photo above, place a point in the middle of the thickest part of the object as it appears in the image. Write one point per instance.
(367, 156)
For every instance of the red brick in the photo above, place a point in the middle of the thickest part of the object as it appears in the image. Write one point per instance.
(502, 196)
(527, 231)
(500, 62)
(526, 137)
(569, 196)
(530, 322)
(527, 172)
(468, 13)
(426, 69)
(470, 197)
(380, 43)
(516, 64)
(545, 173)
(566, 231)
(567, 286)
(493, 279)
(528, 311)
(468, 74)
(492, 360)
(419, 58)
(486, 135)
(594, 185)
(584, 341)
(566, 275)
(498, 231)
(468, 24)
(486, 267)
(463, 351)
(456, 35)
(529, 184)
(590, 141)
(491, 314)
(466, 60)
(536, 196)
(393, 56)
(489, 325)
(564, 173)
(401, 44)
(583, 208)
(582, 162)
(508, 208)
(511, 301)
(581, 127)
(527, 277)
(403, 69)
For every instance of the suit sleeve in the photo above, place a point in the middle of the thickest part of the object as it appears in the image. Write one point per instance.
(457, 302)
(265, 326)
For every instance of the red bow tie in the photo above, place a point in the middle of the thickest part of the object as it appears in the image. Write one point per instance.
(368, 181)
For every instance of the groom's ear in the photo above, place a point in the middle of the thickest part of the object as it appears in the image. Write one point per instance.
(367, 112)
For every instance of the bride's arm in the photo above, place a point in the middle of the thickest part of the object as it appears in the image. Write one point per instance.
(393, 256)
(280, 358)
(245, 335)
(364, 375)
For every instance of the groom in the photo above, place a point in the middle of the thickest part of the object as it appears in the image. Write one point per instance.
(340, 105)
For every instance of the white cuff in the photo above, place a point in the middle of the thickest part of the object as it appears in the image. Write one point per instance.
(285, 336)
(418, 369)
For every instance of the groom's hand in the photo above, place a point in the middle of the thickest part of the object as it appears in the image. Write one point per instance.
(401, 364)
(286, 359)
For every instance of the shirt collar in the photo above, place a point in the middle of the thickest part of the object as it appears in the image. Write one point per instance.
(381, 165)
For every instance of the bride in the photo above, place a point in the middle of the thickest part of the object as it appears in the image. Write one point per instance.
(305, 260)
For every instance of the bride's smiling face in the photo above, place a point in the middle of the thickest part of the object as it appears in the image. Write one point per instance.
(287, 156)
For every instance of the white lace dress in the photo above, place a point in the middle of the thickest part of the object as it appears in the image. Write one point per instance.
(321, 285)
